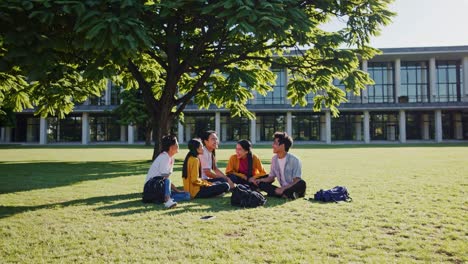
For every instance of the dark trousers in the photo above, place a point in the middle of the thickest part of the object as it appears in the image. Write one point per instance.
(213, 190)
(239, 180)
(299, 188)
(213, 180)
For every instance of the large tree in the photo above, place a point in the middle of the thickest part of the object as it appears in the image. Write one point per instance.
(175, 51)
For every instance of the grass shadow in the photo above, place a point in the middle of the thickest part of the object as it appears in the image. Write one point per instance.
(7, 211)
(26, 176)
(131, 204)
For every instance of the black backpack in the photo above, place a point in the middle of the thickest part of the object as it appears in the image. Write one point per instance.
(243, 196)
(336, 194)
(153, 192)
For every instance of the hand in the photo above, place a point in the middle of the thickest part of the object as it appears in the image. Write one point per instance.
(279, 191)
(231, 184)
(253, 180)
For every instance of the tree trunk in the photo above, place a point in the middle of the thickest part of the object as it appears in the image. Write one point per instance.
(162, 122)
(148, 130)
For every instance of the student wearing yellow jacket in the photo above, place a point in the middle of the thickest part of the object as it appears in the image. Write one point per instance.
(244, 166)
(191, 174)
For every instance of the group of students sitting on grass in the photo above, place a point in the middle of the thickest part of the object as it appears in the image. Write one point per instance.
(203, 179)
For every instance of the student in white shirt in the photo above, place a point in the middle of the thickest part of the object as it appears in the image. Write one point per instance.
(210, 171)
(163, 167)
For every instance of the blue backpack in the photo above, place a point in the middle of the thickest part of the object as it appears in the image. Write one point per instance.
(336, 194)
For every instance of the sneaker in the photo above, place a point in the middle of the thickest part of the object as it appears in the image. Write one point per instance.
(293, 196)
(170, 204)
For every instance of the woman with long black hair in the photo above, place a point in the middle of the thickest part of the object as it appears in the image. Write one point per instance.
(191, 174)
(244, 167)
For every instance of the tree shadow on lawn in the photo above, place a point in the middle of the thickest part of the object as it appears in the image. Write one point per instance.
(6, 211)
(134, 205)
(203, 206)
(26, 176)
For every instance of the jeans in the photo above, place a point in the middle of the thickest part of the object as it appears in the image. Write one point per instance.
(176, 196)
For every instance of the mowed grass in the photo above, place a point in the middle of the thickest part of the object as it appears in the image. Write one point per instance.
(76, 204)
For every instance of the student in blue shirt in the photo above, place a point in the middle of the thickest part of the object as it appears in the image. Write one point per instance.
(286, 168)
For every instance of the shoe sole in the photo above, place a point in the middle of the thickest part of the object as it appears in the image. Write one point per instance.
(172, 206)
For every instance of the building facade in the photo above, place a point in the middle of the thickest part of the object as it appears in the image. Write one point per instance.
(420, 94)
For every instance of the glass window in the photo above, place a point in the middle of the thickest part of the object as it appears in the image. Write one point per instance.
(64, 130)
(195, 125)
(464, 119)
(382, 90)
(384, 126)
(268, 124)
(448, 82)
(101, 100)
(115, 92)
(348, 126)
(306, 126)
(414, 82)
(234, 128)
(277, 96)
(420, 125)
(103, 128)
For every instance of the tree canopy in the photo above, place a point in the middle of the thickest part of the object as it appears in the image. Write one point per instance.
(58, 52)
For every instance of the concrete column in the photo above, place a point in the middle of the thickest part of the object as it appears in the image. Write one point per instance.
(253, 130)
(188, 132)
(123, 133)
(85, 129)
(42, 131)
(358, 128)
(29, 130)
(438, 126)
(289, 123)
(180, 133)
(402, 125)
(366, 127)
(258, 131)
(328, 127)
(391, 134)
(7, 134)
(285, 92)
(323, 128)
(107, 94)
(464, 89)
(131, 134)
(425, 133)
(432, 80)
(223, 136)
(397, 80)
(423, 88)
(2, 134)
(218, 122)
(364, 92)
(458, 126)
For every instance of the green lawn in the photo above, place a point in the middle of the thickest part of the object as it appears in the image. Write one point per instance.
(76, 204)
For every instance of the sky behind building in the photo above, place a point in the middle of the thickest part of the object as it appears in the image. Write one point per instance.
(423, 23)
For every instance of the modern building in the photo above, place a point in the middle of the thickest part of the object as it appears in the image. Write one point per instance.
(420, 94)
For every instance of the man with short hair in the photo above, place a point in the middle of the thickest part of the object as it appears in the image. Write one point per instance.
(286, 168)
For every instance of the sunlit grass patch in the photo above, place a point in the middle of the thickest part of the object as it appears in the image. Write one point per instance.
(84, 205)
